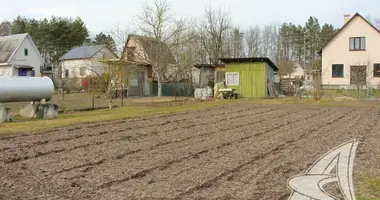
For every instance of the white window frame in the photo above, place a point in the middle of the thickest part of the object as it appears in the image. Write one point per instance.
(232, 73)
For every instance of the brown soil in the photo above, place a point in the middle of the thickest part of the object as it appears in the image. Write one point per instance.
(230, 152)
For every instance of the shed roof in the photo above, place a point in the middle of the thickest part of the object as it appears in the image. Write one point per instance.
(82, 52)
(204, 66)
(253, 59)
(9, 44)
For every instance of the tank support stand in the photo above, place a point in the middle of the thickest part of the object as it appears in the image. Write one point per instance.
(40, 110)
(5, 114)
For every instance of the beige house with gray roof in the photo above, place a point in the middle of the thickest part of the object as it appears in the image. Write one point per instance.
(352, 55)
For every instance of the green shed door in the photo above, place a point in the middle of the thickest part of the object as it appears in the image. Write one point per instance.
(252, 84)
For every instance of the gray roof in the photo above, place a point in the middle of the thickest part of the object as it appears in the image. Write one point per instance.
(9, 44)
(82, 52)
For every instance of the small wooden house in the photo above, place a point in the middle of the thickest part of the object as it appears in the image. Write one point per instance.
(251, 77)
(203, 75)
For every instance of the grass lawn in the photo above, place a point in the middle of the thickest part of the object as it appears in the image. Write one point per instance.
(370, 189)
(148, 108)
(83, 100)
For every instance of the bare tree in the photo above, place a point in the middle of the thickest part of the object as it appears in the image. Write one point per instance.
(5, 28)
(252, 39)
(187, 52)
(106, 77)
(157, 21)
(361, 75)
(234, 46)
(214, 28)
(270, 42)
(120, 35)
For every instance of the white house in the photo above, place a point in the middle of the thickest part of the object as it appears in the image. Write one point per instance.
(352, 55)
(84, 61)
(300, 71)
(19, 56)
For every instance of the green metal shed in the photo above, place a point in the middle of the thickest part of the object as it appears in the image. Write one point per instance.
(251, 77)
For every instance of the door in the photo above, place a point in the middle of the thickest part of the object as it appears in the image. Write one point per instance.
(22, 72)
(358, 75)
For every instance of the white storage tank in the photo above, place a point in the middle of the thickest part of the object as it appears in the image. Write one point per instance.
(22, 89)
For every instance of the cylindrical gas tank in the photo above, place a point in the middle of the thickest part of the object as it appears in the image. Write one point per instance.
(21, 88)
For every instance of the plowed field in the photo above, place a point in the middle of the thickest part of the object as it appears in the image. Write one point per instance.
(230, 152)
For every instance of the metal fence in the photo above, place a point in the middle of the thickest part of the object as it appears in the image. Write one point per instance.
(174, 89)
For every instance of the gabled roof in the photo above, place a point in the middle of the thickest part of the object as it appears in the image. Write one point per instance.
(82, 52)
(148, 44)
(9, 45)
(254, 59)
(307, 67)
(346, 24)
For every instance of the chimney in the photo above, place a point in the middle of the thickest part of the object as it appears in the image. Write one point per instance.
(346, 18)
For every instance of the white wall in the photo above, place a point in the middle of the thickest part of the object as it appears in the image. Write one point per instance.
(337, 52)
(298, 71)
(6, 70)
(93, 65)
(33, 59)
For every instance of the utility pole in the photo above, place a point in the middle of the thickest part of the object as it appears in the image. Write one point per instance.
(304, 50)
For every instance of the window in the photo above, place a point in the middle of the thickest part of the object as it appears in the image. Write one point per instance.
(232, 78)
(357, 43)
(376, 70)
(66, 73)
(337, 71)
(25, 52)
(82, 71)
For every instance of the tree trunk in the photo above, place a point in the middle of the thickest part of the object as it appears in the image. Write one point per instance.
(159, 87)
(110, 104)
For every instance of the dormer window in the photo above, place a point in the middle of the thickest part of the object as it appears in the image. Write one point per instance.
(357, 44)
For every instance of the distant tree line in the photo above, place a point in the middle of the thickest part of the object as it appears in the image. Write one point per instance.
(56, 35)
(192, 41)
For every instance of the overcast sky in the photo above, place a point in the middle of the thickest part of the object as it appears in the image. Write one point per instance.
(103, 15)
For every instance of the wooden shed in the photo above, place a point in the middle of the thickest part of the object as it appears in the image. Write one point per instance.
(204, 75)
(251, 77)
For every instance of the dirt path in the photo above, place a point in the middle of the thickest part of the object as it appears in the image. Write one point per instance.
(230, 152)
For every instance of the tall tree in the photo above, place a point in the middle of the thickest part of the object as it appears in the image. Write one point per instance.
(54, 36)
(270, 43)
(327, 33)
(285, 48)
(214, 27)
(157, 21)
(234, 46)
(5, 28)
(313, 42)
(252, 40)
(107, 40)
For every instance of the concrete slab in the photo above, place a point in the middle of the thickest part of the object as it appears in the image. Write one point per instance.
(50, 111)
(5, 114)
(29, 110)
